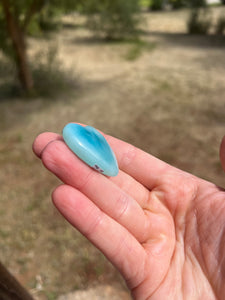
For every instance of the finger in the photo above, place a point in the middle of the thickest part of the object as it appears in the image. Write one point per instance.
(42, 140)
(222, 153)
(117, 244)
(143, 167)
(133, 188)
(120, 206)
(124, 181)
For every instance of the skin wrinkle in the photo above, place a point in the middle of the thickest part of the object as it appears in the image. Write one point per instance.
(121, 245)
(154, 197)
(185, 266)
(222, 254)
(181, 223)
(190, 256)
(178, 240)
(128, 156)
(147, 225)
(149, 297)
(58, 138)
(142, 270)
(53, 156)
(205, 241)
(126, 201)
(96, 224)
(198, 244)
(147, 277)
(90, 176)
(127, 186)
(212, 256)
(193, 215)
(46, 156)
(204, 266)
(151, 208)
(186, 250)
(122, 203)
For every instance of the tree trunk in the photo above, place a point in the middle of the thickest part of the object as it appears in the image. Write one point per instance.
(18, 40)
(24, 72)
(10, 288)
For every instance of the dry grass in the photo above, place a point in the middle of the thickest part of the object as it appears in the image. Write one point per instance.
(169, 102)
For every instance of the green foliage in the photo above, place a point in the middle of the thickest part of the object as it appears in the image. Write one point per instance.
(197, 3)
(159, 4)
(177, 3)
(136, 49)
(199, 21)
(5, 42)
(156, 4)
(49, 18)
(112, 19)
(144, 3)
(26, 17)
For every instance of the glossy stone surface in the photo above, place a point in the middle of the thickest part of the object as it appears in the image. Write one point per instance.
(91, 147)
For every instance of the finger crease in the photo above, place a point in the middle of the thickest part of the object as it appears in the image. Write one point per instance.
(122, 203)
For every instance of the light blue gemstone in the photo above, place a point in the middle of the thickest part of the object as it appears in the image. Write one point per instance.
(91, 147)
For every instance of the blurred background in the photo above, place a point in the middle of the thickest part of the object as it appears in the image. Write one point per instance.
(151, 72)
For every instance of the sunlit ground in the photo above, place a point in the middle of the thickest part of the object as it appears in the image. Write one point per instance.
(164, 94)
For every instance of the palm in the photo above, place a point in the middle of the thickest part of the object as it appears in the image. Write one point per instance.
(196, 236)
(161, 227)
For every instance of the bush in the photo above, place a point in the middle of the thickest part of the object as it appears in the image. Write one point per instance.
(112, 19)
(197, 3)
(156, 4)
(220, 26)
(49, 18)
(51, 79)
(177, 3)
(199, 21)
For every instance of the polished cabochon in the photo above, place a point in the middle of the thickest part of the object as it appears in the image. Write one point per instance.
(91, 147)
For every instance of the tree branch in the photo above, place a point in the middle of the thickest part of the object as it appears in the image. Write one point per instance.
(11, 24)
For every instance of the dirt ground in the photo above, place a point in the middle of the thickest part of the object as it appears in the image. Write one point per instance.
(169, 101)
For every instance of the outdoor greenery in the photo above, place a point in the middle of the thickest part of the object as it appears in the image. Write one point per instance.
(114, 19)
(220, 26)
(161, 92)
(110, 20)
(174, 4)
(15, 19)
(199, 21)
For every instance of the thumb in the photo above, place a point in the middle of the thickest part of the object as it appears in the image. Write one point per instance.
(222, 153)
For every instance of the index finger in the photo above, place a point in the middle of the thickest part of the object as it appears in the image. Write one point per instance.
(143, 167)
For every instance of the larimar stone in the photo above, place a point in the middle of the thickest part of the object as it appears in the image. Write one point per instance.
(91, 147)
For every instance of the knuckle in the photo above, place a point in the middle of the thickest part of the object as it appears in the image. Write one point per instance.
(50, 153)
(86, 179)
(122, 204)
(93, 227)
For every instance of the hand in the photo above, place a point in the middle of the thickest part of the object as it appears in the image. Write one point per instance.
(162, 228)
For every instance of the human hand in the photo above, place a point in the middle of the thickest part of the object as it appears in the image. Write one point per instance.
(162, 228)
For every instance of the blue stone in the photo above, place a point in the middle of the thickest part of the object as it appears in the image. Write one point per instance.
(91, 147)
